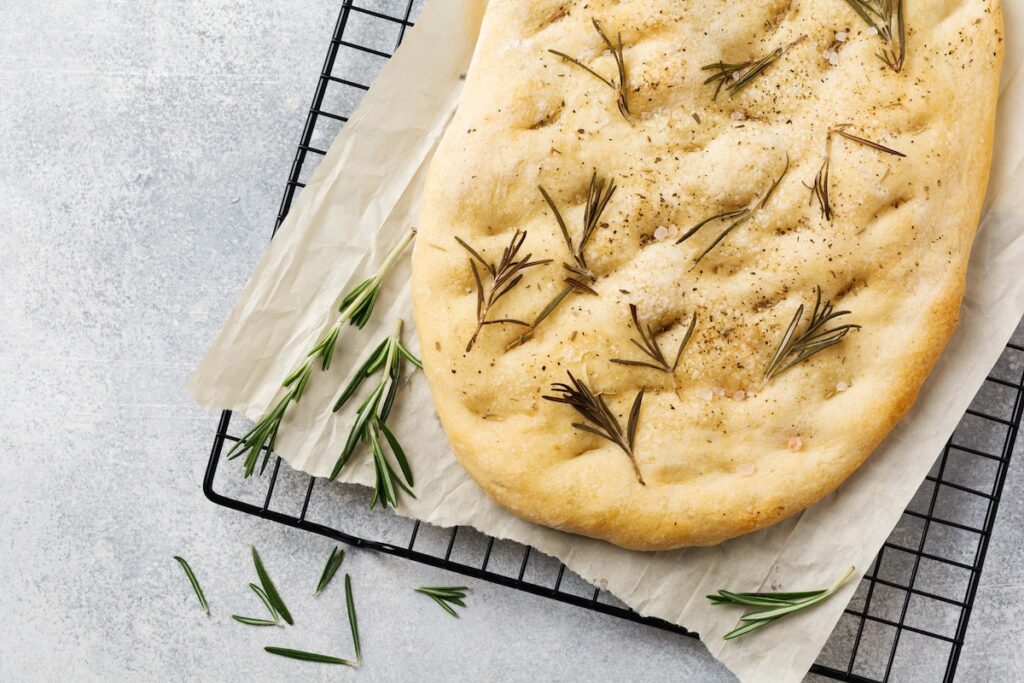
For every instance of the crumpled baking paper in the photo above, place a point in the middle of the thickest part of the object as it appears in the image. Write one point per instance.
(365, 193)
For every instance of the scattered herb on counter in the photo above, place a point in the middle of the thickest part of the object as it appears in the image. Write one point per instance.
(353, 624)
(581, 278)
(446, 596)
(334, 561)
(621, 86)
(371, 416)
(796, 348)
(734, 77)
(270, 592)
(820, 188)
(593, 408)
(737, 216)
(275, 618)
(350, 608)
(772, 606)
(308, 656)
(195, 584)
(648, 344)
(886, 18)
(503, 277)
(355, 309)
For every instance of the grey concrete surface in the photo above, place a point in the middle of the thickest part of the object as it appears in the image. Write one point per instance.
(143, 149)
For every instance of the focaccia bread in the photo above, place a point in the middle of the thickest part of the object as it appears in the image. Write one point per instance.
(761, 154)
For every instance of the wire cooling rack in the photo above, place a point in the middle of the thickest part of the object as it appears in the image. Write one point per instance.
(910, 613)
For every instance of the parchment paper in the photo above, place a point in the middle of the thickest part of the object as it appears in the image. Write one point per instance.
(365, 193)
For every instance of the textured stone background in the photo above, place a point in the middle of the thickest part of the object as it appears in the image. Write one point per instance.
(143, 149)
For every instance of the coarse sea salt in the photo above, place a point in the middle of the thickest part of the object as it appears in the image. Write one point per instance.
(661, 233)
(738, 116)
(842, 386)
(746, 469)
(706, 394)
(739, 395)
(841, 37)
(795, 443)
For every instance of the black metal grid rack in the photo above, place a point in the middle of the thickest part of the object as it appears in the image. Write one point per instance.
(910, 613)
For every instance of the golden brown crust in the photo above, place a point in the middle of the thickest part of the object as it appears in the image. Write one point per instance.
(722, 454)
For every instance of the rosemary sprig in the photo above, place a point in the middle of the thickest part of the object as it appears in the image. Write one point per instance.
(772, 606)
(581, 278)
(355, 309)
(737, 217)
(503, 276)
(886, 18)
(195, 584)
(734, 77)
(796, 348)
(648, 345)
(621, 86)
(820, 188)
(602, 420)
(334, 561)
(350, 608)
(275, 617)
(446, 596)
(269, 591)
(371, 416)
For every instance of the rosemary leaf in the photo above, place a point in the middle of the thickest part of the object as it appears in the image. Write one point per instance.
(502, 277)
(253, 621)
(603, 423)
(268, 587)
(309, 656)
(775, 605)
(334, 561)
(796, 348)
(196, 588)
(621, 85)
(265, 599)
(355, 308)
(446, 596)
(353, 624)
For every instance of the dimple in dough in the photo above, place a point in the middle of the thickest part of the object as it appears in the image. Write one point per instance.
(722, 453)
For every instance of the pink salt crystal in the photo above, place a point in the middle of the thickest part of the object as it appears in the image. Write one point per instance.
(795, 443)
(746, 470)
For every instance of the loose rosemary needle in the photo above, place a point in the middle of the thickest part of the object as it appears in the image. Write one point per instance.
(621, 86)
(446, 596)
(273, 598)
(355, 309)
(737, 217)
(350, 608)
(503, 276)
(772, 606)
(603, 422)
(580, 278)
(648, 345)
(196, 588)
(334, 561)
(370, 424)
(734, 77)
(275, 617)
(796, 348)
(886, 18)
(820, 190)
